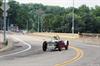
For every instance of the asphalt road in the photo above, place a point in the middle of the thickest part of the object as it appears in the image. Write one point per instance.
(27, 51)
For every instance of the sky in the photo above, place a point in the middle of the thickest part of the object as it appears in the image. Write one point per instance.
(64, 3)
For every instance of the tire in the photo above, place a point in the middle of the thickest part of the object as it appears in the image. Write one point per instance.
(44, 46)
(59, 48)
(66, 46)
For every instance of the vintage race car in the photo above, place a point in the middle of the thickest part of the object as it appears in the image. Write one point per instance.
(55, 44)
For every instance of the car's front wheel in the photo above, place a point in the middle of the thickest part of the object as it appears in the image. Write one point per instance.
(66, 46)
(44, 46)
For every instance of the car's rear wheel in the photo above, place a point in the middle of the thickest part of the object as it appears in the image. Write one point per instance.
(44, 47)
(66, 48)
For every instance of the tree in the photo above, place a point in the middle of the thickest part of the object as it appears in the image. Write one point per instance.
(87, 18)
(96, 11)
(83, 10)
(13, 11)
(48, 22)
(97, 25)
(1, 23)
(22, 16)
(89, 21)
(0, 9)
(54, 18)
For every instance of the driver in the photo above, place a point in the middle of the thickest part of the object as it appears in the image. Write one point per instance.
(56, 40)
(56, 37)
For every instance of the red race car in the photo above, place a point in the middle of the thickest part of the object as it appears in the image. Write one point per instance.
(54, 44)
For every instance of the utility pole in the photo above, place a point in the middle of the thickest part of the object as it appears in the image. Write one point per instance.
(27, 26)
(4, 7)
(39, 13)
(42, 18)
(38, 24)
(41, 23)
(73, 19)
(4, 20)
(8, 24)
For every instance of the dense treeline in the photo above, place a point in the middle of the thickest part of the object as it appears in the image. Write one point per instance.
(37, 17)
(0, 9)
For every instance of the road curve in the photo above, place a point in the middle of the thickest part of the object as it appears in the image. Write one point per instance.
(79, 54)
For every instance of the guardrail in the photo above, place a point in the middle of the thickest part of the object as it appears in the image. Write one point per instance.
(62, 35)
(89, 35)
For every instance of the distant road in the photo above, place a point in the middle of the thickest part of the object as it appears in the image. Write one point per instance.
(79, 54)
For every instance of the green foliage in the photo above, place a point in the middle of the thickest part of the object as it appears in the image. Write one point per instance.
(0, 8)
(83, 10)
(54, 18)
(1, 15)
(96, 11)
(97, 25)
(13, 11)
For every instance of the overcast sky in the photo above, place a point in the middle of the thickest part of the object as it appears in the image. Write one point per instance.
(63, 3)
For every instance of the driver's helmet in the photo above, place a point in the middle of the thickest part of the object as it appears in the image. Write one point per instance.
(56, 37)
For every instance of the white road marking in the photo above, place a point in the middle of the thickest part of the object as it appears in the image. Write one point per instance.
(29, 47)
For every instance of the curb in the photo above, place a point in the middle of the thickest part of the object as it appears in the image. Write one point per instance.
(8, 47)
